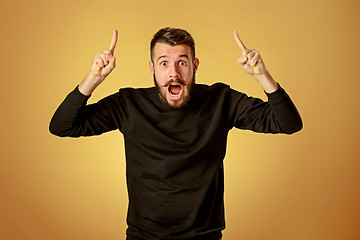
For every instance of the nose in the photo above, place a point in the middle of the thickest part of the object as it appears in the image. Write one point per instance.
(174, 71)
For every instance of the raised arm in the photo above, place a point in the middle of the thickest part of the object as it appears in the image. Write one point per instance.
(279, 114)
(73, 117)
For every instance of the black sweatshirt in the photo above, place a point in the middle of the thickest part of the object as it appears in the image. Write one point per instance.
(174, 158)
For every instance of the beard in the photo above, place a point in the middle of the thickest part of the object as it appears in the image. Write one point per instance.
(188, 92)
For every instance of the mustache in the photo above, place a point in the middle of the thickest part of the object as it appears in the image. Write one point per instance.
(175, 80)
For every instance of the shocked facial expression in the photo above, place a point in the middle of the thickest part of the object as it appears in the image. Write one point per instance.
(174, 72)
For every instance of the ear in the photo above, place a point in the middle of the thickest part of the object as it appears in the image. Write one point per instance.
(151, 66)
(196, 64)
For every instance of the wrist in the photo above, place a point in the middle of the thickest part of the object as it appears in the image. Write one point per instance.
(88, 85)
(267, 82)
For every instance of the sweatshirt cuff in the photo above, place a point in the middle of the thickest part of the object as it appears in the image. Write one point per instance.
(77, 97)
(278, 94)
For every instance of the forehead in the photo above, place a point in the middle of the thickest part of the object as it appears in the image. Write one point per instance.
(164, 49)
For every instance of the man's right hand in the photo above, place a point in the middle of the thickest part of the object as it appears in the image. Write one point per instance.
(103, 64)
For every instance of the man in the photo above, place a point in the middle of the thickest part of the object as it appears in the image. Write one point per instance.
(175, 134)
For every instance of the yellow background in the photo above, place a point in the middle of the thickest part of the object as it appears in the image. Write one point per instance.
(304, 186)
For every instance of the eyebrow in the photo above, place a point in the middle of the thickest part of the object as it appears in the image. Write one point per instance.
(181, 56)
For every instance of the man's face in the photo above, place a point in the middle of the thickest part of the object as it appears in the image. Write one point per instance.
(174, 72)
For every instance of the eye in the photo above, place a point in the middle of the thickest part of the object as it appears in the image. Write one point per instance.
(182, 63)
(163, 64)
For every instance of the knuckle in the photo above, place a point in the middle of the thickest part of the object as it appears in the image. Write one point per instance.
(97, 62)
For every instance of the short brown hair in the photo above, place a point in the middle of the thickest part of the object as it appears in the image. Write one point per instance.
(173, 36)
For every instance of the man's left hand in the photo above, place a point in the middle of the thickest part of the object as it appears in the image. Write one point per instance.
(250, 60)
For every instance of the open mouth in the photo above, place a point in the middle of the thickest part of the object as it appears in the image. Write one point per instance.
(175, 90)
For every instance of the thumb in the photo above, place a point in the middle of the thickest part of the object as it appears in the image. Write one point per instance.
(110, 58)
(242, 60)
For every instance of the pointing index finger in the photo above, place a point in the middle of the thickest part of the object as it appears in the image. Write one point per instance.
(238, 41)
(113, 41)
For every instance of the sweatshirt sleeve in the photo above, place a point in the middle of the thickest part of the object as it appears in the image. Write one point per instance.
(277, 115)
(74, 118)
